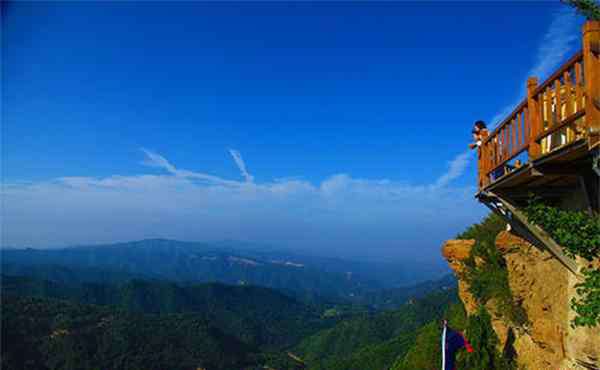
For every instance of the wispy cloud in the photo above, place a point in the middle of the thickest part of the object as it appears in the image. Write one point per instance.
(456, 168)
(157, 160)
(341, 213)
(239, 161)
(558, 41)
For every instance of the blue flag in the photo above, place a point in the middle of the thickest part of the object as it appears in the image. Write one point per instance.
(452, 341)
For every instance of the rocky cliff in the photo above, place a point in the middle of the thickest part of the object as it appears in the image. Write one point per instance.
(544, 288)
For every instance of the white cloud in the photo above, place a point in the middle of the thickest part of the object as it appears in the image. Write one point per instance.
(239, 161)
(456, 167)
(560, 38)
(341, 214)
(156, 160)
(562, 34)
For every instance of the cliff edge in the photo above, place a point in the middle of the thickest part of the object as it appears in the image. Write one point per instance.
(543, 287)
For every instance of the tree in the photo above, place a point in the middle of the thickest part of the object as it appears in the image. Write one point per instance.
(484, 340)
(588, 8)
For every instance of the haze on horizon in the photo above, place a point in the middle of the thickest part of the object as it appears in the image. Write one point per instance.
(331, 128)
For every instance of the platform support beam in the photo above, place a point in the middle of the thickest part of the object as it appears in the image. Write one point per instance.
(531, 232)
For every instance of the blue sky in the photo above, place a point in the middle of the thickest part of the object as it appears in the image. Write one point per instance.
(333, 128)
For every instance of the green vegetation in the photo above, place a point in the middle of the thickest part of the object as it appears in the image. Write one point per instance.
(372, 341)
(482, 337)
(488, 279)
(50, 334)
(390, 299)
(588, 8)
(486, 231)
(486, 269)
(375, 356)
(215, 326)
(579, 235)
(425, 353)
(257, 316)
(154, 324)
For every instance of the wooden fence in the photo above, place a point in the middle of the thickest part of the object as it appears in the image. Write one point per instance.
(563, 109)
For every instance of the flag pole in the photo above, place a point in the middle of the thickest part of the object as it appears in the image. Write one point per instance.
(444, 345)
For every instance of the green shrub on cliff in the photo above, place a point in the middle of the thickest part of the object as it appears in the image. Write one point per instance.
(579, 235)
(485, 269)
(485, 231)
(484, 340)
(588, 8)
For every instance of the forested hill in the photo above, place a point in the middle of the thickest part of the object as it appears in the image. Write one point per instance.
(214, 326)
(254, 315)
(373, 342)
(45, 334)
(389, 299)
(252, 326)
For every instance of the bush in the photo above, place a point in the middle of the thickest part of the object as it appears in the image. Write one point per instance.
(484, 340)
(488, 279)
(579, 235)
(588, 8)
(425, 353)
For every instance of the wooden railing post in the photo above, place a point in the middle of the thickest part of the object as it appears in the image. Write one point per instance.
(535, 122)
(591, 65)
(483, 166)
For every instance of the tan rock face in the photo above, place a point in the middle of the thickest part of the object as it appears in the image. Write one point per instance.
(544, 288)
(539, 282)
(583, 344)
(456, 252)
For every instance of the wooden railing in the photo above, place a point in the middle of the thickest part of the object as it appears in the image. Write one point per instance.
(563, 109)
(508, 140)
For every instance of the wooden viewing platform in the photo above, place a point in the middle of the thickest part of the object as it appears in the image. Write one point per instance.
(549, 146)
(553, 136)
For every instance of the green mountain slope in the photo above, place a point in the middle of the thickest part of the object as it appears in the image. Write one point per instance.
(255, 315)
(425, 352)
(51, 334)
(389, 299)
(372, 341)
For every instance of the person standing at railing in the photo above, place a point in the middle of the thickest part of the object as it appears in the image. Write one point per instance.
(480, 132)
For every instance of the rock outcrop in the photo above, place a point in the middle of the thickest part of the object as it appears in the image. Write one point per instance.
(544, 288)
(456, 252)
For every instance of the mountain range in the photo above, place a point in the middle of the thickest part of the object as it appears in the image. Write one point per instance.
(305, 277)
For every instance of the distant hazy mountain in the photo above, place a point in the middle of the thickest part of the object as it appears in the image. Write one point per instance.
(303, 276)
(195, 261)
(70, 275)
